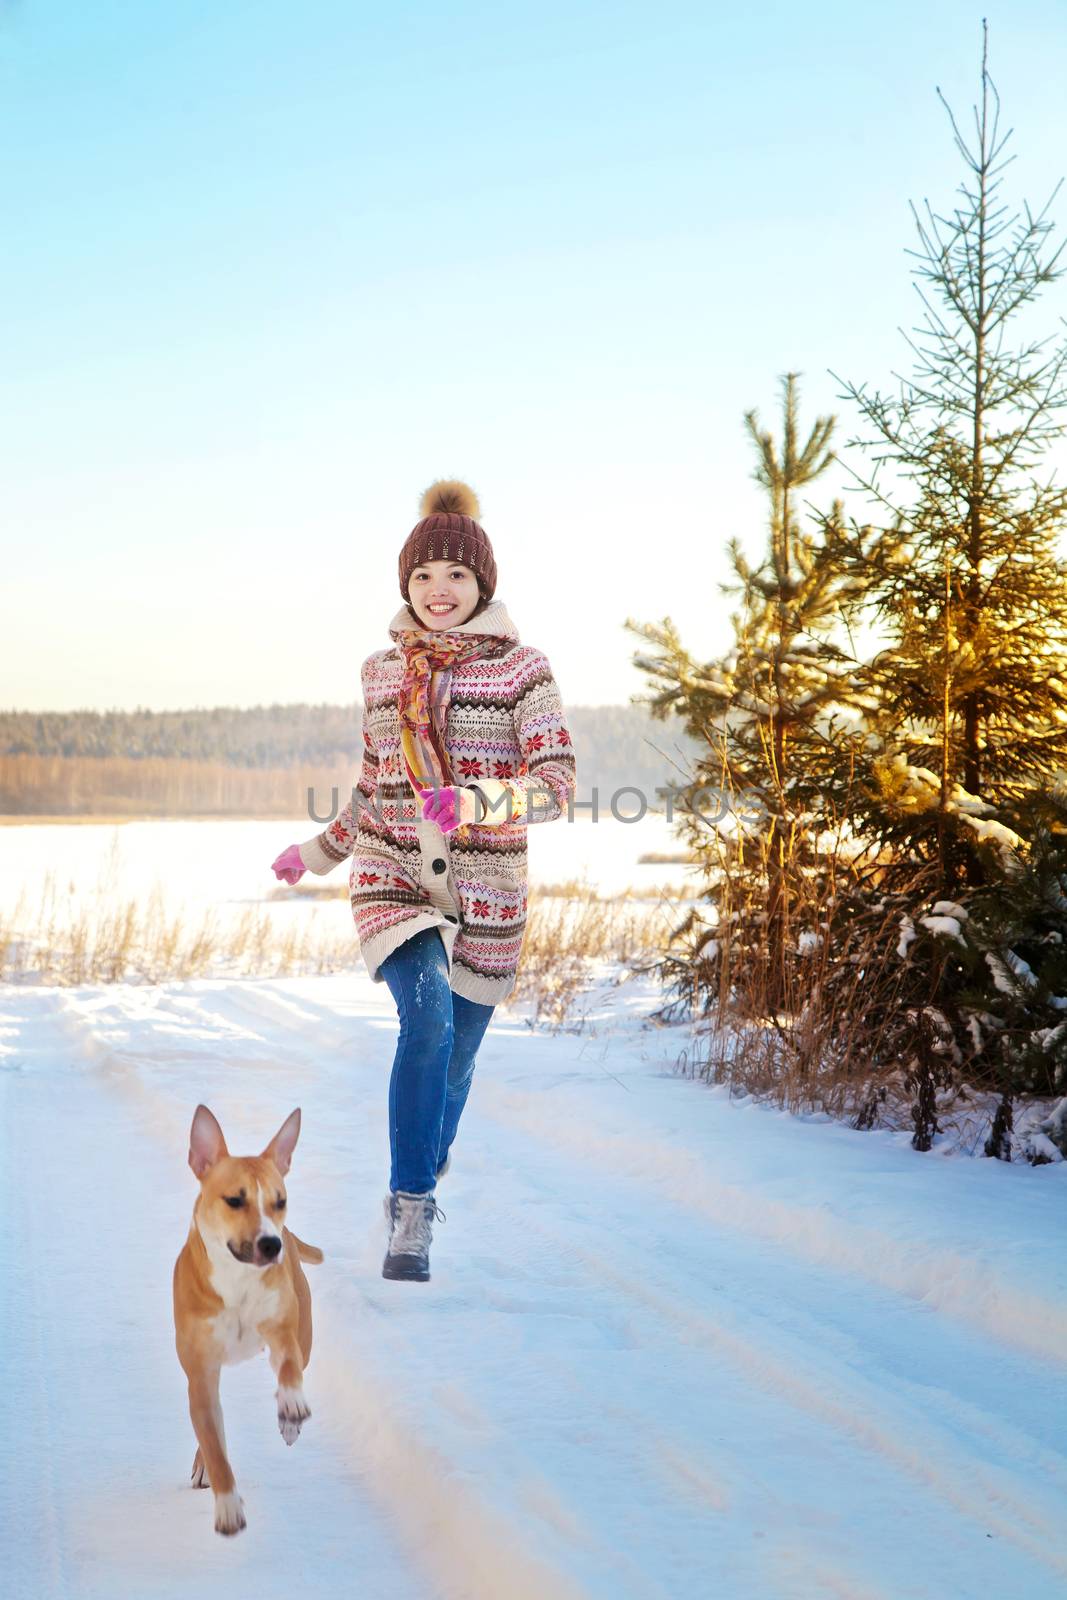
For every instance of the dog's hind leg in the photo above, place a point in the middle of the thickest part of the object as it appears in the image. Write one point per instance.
(303, 1302)
(297, 1251)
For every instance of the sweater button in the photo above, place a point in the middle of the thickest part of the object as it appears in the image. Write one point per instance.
(439, 864)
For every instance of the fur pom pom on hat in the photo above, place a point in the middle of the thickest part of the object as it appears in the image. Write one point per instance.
(452, 496)
(449, 530)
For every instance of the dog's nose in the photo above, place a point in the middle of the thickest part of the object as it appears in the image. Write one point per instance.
(270, 1245)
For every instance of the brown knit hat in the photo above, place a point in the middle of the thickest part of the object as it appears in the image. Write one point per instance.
(449, 531)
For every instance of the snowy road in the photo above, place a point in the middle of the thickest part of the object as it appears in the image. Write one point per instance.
(673, 1346)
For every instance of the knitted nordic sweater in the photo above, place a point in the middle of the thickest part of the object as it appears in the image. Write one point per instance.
(507, 736)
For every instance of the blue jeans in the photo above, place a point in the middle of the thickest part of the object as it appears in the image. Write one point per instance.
(440, 1032)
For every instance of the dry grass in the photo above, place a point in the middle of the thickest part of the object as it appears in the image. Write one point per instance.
(813, 1052)
(572, 934)
(581, 889)
(662, 858)
(805, 1030)
(125, 940)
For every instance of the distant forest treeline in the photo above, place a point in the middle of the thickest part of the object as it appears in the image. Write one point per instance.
(215, 760)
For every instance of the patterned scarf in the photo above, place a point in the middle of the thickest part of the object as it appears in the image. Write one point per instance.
(424, 696)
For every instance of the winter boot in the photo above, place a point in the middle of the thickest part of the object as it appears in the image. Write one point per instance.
(410, 1218)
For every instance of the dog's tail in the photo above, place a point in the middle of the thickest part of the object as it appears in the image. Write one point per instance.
(307, 1252)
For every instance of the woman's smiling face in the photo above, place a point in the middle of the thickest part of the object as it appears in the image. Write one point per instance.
(442, 593)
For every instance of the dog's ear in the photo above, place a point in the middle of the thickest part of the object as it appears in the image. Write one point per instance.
(206, 1144)
(280, 1150)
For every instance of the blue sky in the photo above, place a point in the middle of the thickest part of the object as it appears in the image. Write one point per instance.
(270, 269)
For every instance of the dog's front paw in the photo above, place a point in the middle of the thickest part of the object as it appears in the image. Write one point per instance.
(229, 1513)
(198, 1476)
(293, 1411)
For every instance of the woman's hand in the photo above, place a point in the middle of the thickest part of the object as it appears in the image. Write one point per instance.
(289, 865)
(449, 807)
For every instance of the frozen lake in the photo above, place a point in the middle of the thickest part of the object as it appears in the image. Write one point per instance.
(231, 860)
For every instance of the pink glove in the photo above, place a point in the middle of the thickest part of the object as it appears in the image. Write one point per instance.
(289, 865)
(449, 807)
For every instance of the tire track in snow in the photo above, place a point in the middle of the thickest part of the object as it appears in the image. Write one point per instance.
(815, 1325)
(919, 1394)
(470, 1550)
(941, 1279)
(922, 1457)
(29, 1475)
(918, 1451)
(730, 1489)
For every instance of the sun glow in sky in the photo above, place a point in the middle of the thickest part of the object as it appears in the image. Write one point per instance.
(271, 269)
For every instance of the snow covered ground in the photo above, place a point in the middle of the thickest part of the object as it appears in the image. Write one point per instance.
(673, 1346)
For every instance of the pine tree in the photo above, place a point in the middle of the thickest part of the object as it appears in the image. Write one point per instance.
(964, 573)
(769, 715)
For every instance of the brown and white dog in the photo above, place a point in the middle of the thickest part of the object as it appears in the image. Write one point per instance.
(239, 1285)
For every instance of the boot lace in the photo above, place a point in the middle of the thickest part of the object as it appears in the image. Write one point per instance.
(413, 1218)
